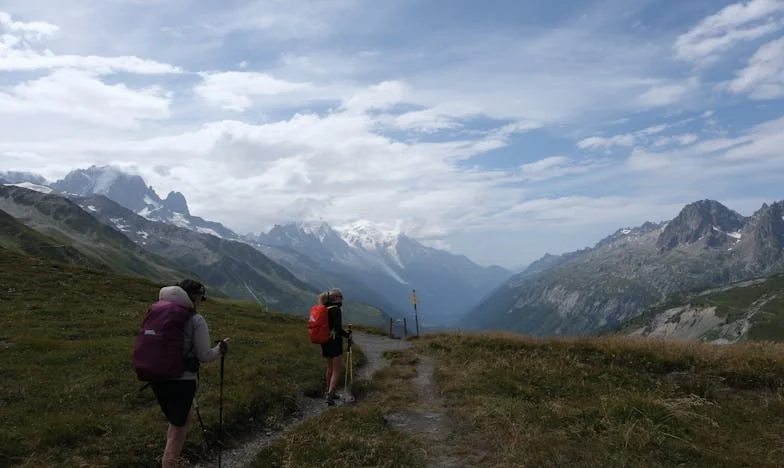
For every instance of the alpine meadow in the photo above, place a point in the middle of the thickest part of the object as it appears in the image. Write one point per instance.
(429, 234)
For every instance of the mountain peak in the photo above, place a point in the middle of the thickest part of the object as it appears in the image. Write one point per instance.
(703, 219)
(128, 190)
(766, 232)
(317, 228)
(175, 202)
(368, 235)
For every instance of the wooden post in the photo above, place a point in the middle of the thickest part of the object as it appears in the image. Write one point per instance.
(415, 301)
(390, 327)
(404, 329)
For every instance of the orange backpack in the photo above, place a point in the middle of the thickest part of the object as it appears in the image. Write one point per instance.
(318, 324)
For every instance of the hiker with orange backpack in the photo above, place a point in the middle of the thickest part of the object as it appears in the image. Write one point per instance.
(326, 328)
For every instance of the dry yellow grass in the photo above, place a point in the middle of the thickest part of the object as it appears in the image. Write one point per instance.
(521, 401)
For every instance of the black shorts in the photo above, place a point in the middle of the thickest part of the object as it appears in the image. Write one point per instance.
(175, 398)
(332, 348)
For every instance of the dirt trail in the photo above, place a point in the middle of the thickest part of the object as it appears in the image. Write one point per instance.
(427, 418)
(372, 346)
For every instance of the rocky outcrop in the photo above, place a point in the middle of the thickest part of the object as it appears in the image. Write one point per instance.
(175, 202)
(705, 220)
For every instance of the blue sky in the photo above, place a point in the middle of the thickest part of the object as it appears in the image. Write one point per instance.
(501, 130)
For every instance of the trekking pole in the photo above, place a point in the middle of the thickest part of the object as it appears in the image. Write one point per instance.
(349, 363)
(198, 414)
(220, 411)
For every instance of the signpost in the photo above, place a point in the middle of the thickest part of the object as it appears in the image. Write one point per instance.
(415, 301)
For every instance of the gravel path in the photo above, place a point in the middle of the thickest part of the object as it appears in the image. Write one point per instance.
(373, 347)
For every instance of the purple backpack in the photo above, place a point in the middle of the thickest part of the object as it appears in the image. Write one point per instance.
(157, 354)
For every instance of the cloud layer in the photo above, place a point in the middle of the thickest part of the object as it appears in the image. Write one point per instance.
(500, 142)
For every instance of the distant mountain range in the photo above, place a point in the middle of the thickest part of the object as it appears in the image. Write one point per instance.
(590, 290)
(392, 264)
(372, 266)
(599, 288)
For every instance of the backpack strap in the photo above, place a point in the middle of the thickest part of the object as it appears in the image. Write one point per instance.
(188, 356)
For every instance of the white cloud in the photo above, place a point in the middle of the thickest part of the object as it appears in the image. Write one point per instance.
(667, 94)
(606, 142)
(757, 151)
(557, 166)
(236, 90)
(81, 96)
(17, 53)
(369, 127)
(764, 141)
(543, 165)
(683, 140)
(33, 30)
(734, 23)
(626, 139)
(378, 97)
(763, 77)
(281, 20)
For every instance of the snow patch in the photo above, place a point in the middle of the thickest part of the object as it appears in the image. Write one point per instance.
(92, 208)
(392, 252)
(119, 223)
(369, 236)
(625, 231)
(144, 212)
(143, 234)
(205, 230)
(178, 219)
(32, 186)
(149, 201)
(735, 235)
(319, 229)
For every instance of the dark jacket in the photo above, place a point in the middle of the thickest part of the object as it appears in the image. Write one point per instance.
(335, 317)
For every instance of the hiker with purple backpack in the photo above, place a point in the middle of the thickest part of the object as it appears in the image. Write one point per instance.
(174, 339)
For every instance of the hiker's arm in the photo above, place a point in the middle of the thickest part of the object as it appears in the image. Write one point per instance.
(201, 341)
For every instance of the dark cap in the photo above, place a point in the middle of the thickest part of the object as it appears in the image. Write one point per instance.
(193, 288)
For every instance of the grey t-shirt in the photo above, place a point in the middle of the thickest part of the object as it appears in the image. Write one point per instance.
(197, 334)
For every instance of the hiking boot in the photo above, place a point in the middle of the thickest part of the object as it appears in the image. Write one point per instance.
(330, 398)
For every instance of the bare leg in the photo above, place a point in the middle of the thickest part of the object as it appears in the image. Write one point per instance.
(329, 372)
(335, 380)
(175, 439)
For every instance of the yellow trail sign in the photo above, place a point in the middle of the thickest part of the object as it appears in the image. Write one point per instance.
(413, 298)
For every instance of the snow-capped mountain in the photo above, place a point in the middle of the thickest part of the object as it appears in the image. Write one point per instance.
(379, 265)
(133, 193)
(393, 264)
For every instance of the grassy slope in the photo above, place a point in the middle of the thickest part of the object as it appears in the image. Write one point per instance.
(16, 236)
(66, 381)
(66, 334)
(611, 402)
(732, 304)
(63, 220)
(584, 402)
